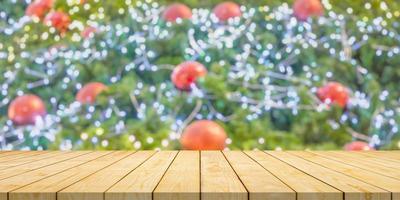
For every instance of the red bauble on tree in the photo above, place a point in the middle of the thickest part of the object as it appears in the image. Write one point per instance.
(227, 10)
(358, 146)
(59, 20)
(89, 92)
(24, 110)
(175, 11)
(303, 9)
(187, 73)
(39, 8)
(35, 10)
(334, 92)
(203, 135)
(47, 3)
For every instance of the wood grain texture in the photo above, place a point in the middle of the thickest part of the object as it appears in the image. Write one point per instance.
(386, 183)
(306, 187)
(13, 155)
(69, 160)
(353, 189)
(199, 175)
(47, 188)
(359, 162)
(373, 159)
(94, 186)
(218, 180)
(45, 161)
(140, 183)
(182, 180)
(261, 184)
(385, 155)
(24, 158)
(392, 155)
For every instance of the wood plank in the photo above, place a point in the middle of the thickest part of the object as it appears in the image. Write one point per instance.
(261, 184)
(363, 164)
(387, 183)
(70, 160)
(182, 180)
(194, 175)
(353, 188)
(20, 169)
(140, 183)
(370, 158)
(94, 186)
(17, 155)
(9, 153)
(218, 180)
(47, 188)
(392, 155)
(26, 158)
(389, 155)
(306, 187)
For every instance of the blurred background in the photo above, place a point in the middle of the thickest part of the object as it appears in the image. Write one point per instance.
(256, 74)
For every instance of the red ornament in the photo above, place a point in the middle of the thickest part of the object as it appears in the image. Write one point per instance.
(203, 135)
(35, 10)
(39, 8)
(335, 93)
(187, 73)
(303, 9)
(358, 146)
(175, 11)
(58, 20)
(88, 31)
(47, 3)
(24, 110)
(89, 92)
(227, 10)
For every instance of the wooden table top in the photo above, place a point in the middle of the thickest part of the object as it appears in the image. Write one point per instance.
(194, 175)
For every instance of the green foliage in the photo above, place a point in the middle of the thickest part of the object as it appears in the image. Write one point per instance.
(137, 122)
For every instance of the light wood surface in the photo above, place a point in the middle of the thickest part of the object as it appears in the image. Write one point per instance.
(372, 159)
(15, 155)
(182, 180)
(386, 183)
(306, 187)
(7, 153)
(23, 158)
(47, 188)
(352, 188)
(37, 164)
(54, 166)
(199, 175)
(260, 183)
(392, 155)
(218, 180)
(141, 183)
(361, 162)
(94, 186)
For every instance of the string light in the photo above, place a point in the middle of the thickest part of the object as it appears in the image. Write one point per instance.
(275, 78)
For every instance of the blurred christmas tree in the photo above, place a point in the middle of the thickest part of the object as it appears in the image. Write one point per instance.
(125, 74)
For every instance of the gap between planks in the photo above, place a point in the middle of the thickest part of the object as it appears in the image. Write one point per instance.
(194, 175)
